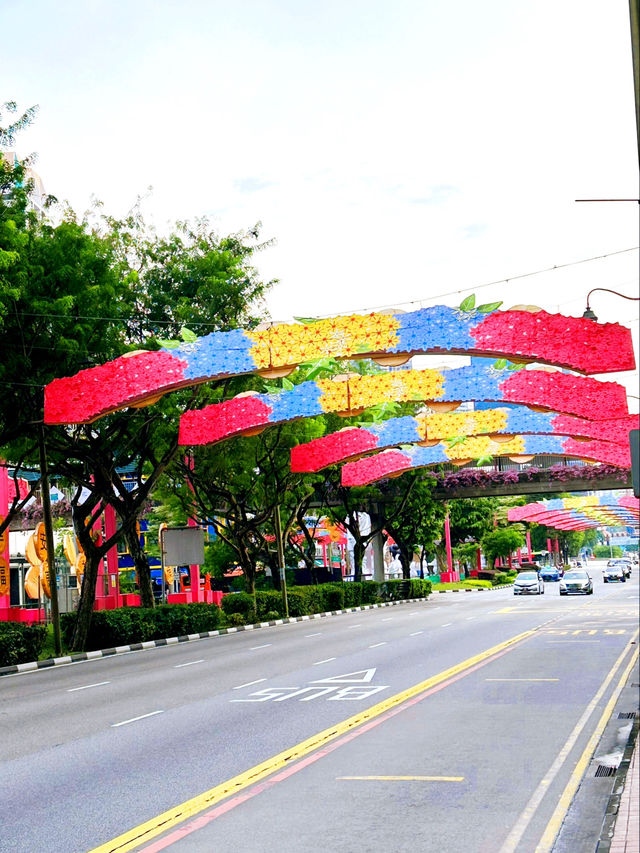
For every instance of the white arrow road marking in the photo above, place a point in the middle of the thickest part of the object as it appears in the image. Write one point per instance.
(361, 676)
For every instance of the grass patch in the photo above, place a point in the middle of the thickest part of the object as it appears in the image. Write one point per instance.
(49, 648)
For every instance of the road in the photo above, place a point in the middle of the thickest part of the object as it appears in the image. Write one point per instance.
(459, 724)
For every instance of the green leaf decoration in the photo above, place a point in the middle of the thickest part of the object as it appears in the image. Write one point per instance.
(484, 460)
(468, 304)
(307, 320)
(500, 364)
(456, 439)
(169, 344)
(187, 335)
(287, 384)
(488, 307)
(512, 366)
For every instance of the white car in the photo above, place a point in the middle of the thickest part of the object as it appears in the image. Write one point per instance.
(615, 572)
(528, 583)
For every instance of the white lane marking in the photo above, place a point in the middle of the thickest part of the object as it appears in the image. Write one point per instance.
(135, 719)
(326, 660)
(446, 624)
(522, 679)
(388, 619)
(319, 634)
(249, 683)
(191, 663)
(470, 617)
(375, 645)
(359, 625)
(415, 613)
(561, 642)
(87, 686)
(415, 633)
(263, 646)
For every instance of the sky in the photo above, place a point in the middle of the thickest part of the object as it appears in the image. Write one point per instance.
(398, 153)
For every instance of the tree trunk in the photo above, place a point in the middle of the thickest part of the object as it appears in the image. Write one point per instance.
(141, 563)
(358, 557)
(85, 605)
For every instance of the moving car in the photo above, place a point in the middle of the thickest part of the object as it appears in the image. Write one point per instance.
(550, 573)
(614, 573)
(528, 583)
(576, 582)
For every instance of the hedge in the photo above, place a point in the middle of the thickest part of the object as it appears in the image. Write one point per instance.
(20, 643)
(128, 625)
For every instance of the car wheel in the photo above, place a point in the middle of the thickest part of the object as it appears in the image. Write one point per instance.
(562, 593)
(623, 579)
(605, 580)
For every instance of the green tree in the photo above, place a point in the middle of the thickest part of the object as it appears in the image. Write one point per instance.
(502, 542)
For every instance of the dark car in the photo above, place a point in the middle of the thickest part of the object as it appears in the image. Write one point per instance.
(550, 573)
(577, 582)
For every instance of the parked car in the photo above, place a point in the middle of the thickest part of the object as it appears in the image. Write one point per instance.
(614, 573)
(528, 583)
(550, 573)
(576, 582)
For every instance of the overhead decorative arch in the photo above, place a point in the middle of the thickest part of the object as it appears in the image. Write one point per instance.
(352, 442)
(579, 513)
(521, 448)
(561, 392)
(140, 378)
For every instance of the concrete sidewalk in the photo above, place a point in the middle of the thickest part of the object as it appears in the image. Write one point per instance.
(626, 833)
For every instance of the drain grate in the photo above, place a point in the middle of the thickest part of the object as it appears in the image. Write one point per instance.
(627, 715)
(603, 770)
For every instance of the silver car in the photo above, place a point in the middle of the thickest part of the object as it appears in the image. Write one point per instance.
(576, 582)
(528, 583)
(614, 573)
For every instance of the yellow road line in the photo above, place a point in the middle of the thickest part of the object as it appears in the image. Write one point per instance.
(167, 820)
(519, 828)
(404, 778)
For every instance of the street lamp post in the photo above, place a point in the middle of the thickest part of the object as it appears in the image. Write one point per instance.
(588, 313)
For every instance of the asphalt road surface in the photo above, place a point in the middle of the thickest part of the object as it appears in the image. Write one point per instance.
(463, 724)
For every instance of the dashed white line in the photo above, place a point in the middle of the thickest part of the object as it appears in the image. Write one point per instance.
(326, 660)
(375, 645)
(470, 617)
(263, 646)
(249, 683)
(359, 625)
(446, 624)
(388, 619)
(415, 633)
(191, 663)
(319, 634)
(415, 613)
(87, 686)
(135, 719)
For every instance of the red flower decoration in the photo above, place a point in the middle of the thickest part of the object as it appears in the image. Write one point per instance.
(329, 449)
(92, 393)
(578, 395)
(573, 342)
(221, 420)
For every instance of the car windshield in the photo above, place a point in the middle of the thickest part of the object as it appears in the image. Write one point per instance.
(576, 576)
(527, 576)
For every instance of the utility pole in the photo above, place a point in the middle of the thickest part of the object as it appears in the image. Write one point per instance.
(48, 530)
(280, 547)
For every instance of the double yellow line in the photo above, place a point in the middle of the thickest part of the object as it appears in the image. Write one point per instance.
(172, 817)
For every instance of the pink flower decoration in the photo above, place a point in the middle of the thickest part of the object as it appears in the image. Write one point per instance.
(579, 395)
(373, 468)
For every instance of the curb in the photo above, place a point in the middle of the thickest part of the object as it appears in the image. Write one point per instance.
(613, 805)
(32, 666)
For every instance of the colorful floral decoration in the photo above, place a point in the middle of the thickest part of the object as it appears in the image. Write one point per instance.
(454, 426)
(579, 513)
(140, 378)
(392, 462)
(561, 392)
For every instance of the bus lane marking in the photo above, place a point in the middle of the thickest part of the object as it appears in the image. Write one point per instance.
(226, 796)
